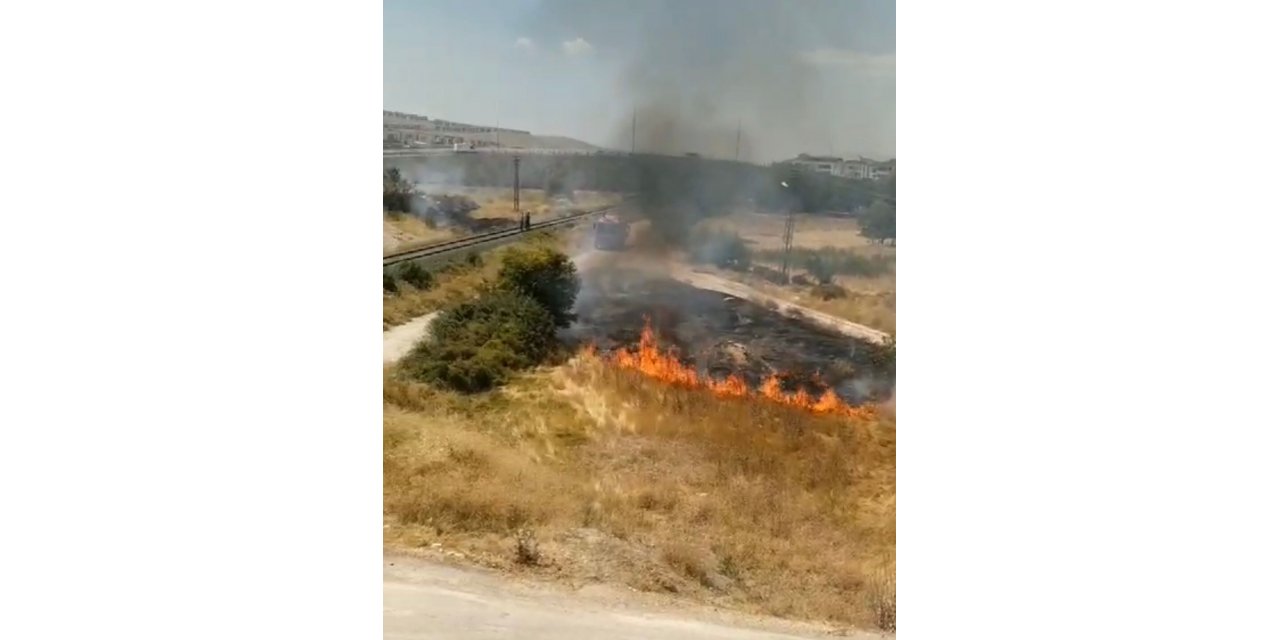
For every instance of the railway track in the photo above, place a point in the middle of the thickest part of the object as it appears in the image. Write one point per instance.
(471, 242)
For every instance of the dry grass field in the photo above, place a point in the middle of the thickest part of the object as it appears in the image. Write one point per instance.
(460, 280)
(622, 479)
(404, 232)
(496, 202)
(869, 299)
(764, 230)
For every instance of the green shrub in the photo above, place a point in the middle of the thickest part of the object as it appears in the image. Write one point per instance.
(822, 270)
(545, 275)
(414, 274)
(396, 192)
(477, 345)
(880, 222)
(389, 283)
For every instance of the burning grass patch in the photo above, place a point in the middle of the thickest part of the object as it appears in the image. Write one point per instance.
(649, 360)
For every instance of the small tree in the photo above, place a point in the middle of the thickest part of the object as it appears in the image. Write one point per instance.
(545, 275)
(396, 192)
(822, 269)
(880, 222)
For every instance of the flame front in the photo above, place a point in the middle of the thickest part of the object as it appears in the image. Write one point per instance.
(648, 359)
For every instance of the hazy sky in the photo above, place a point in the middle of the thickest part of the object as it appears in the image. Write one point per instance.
(800, 75)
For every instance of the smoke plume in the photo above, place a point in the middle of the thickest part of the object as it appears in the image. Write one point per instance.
(726, 78)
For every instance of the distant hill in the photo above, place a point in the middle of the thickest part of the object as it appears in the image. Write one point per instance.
(411, 129)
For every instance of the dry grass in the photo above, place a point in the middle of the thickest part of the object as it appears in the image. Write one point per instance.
(871, 300)
(402, 232)
(454, 283)
(496, 202)
(624, 479)
(764, 230)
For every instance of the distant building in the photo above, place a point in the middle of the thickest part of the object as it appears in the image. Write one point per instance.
(882, 170)
(407, 129)
(822, 164)
(854, 168)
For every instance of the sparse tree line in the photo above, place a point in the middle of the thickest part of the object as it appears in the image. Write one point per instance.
(399, 198)
(674, 192)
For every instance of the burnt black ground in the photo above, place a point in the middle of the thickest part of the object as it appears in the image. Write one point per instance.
(722, 335)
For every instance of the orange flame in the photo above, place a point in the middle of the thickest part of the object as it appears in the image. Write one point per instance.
(651, 361)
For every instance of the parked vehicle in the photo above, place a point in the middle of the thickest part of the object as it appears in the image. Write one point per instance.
(611, 233)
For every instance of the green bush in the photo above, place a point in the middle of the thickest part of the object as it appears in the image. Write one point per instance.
(477, 345)
(414, 274)
(389, 283)
(545, 275)
(821, 269)
(880, 222)
(396, 192)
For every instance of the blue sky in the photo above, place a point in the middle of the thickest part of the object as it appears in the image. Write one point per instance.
(801, 75)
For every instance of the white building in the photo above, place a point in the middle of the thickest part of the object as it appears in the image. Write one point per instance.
(854, 168)
(822, 164)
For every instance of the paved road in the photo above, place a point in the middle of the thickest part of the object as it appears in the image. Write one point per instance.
(423, 600)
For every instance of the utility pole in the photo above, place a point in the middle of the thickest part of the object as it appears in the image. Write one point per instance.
(737, 145)
(787, 234)
(791, 203)
(515, 184)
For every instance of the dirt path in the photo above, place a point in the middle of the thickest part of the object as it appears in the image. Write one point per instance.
(422, 599)
(713, 282)
(399, 340)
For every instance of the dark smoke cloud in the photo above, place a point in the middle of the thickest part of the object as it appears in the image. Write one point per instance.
(694, 69)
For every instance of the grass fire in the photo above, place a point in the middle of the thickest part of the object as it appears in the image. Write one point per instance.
(649, 359)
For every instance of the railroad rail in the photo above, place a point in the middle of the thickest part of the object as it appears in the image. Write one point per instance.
(459, 244)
